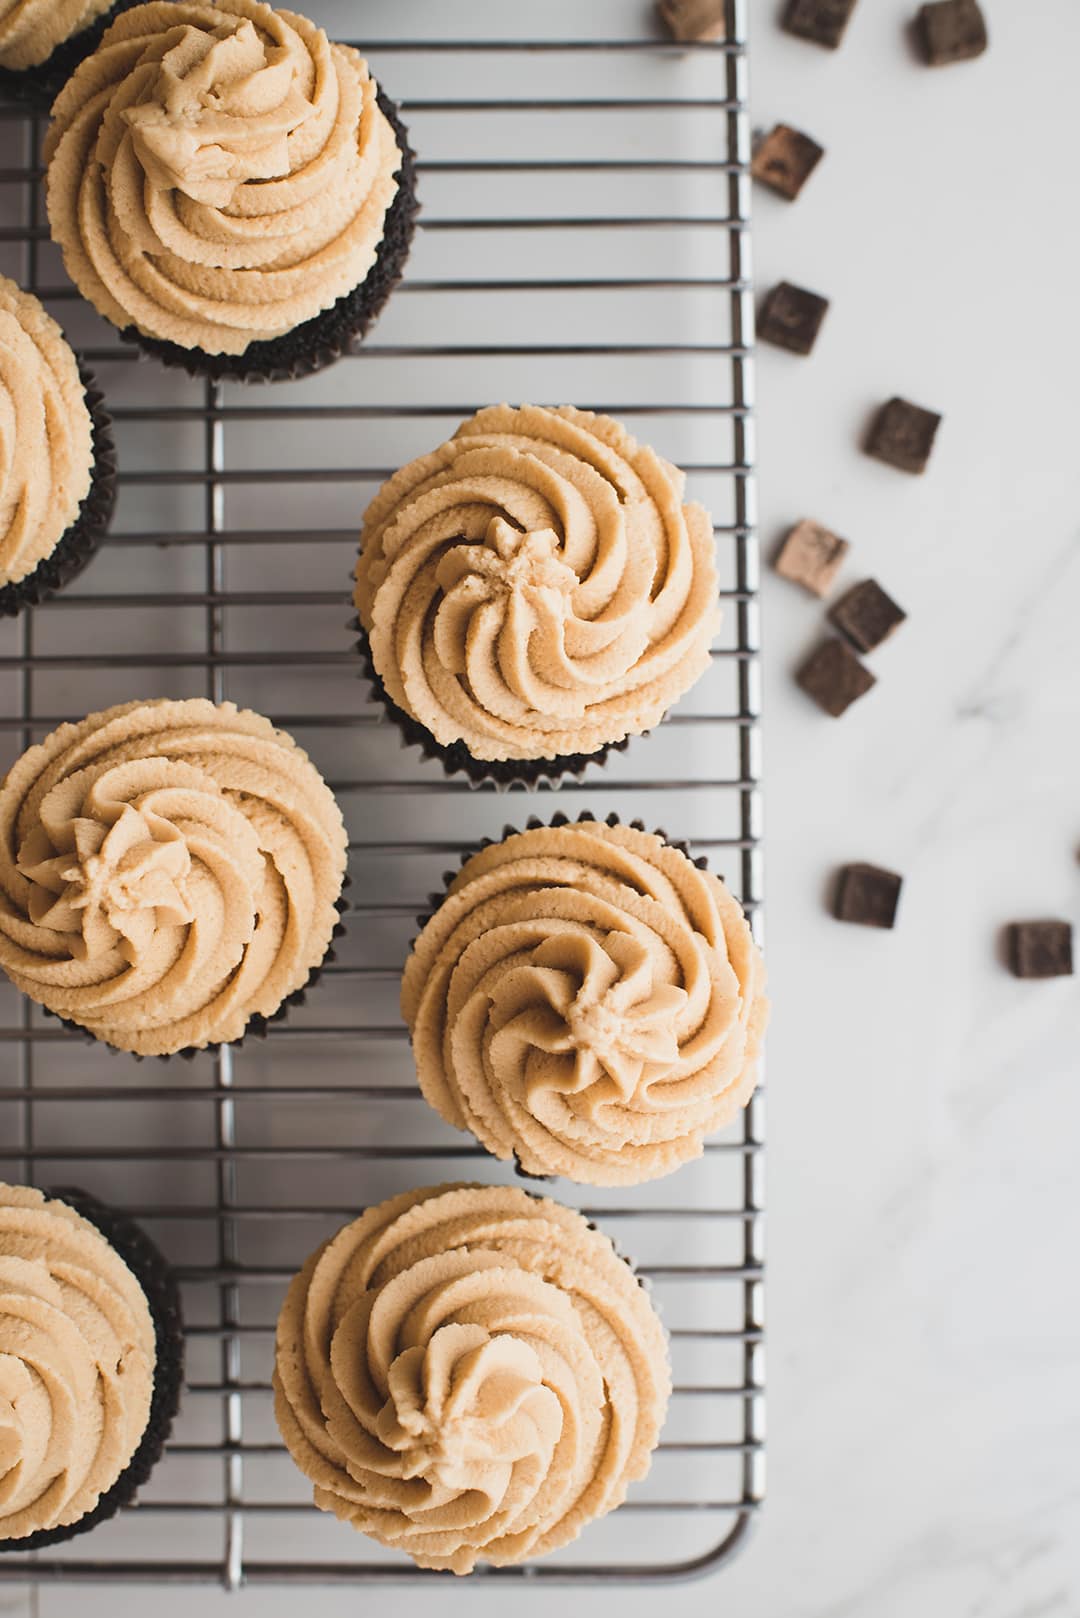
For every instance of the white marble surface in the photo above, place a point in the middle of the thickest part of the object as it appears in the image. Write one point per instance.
(925, 1107)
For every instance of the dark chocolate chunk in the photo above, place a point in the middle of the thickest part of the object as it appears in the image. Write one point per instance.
(867, 895)
(834, 677)
(1040, 949)
(903, 435)
(950, 31)
(811, 556)
(691, 20)
(784, 160)
(791, 317)
(866, 615)
(820, 21)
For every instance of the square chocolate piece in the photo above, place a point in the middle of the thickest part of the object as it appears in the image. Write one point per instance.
(791, 318)
(820, 21)
(1040, 949)
(951, 31)
(903, 435)
(811, 556)
(785, 159)
(691, 20)
(867, 895)
(834, 677)
(866, 615)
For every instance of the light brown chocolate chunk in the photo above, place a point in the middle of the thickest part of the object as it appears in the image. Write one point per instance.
(784, 160)
(811, 556)
(693, 20)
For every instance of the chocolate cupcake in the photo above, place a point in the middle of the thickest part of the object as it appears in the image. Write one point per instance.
(169, 874)
(229, 188)
(91, 1364)
(534, 592)
(470, 1374)
(42, 45)
(58, 467)
(587, 1000)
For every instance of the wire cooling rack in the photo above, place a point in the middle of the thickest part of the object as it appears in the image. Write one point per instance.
(584, 239)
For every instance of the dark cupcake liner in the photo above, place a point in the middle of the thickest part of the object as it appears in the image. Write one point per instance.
(324, 338)
(257, 1027)
(155, 1277)
(75, 548)
(39, 86)
(535, 823)
(457, 760)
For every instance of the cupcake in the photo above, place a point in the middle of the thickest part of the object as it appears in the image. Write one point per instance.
(57, 463)
(230, 189)
(42, 44)
(587, 1000)
(534, 592)
(470, 1374)
(169, 874)
(91, 1362)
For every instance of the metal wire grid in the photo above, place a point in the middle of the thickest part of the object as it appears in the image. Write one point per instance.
(231, 552)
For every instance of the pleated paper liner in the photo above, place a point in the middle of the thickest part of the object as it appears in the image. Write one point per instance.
(322, 340)
(257, 1027)
(457, 760)
(155, 1277)
(76, 547)
(39, 86)
(535, 823)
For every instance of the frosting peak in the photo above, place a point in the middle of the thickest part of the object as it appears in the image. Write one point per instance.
(587, 1000)
(469, 1374)
(30, 31)
(536, 586)
(167, 871)
(218, 172)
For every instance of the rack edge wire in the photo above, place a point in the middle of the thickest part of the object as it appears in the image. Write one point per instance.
(231, 1571)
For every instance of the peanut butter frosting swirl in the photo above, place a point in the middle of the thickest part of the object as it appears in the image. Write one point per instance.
(30, 30)
(536, 587)
(469, 1374)
(46, 445)
(219, 173)
(76, 1364)
(168, 871)
(587, 1000)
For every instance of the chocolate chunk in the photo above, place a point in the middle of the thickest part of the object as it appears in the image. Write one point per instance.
(867, 895)
(1040, 949)
(811, 556)
(820, 21)
(785, 159)
(834, 677)
(903, 435)
(866, 615)
(691, 20)
(791, 317)
(950, 31)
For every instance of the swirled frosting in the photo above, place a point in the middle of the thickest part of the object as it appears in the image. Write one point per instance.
(536, 587)
(168, 870)
(218, 173)
(46, 446)
(30, 31)
(587, 1000)
(469, 1374)
(76, 1364)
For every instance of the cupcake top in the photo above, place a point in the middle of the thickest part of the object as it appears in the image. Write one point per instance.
(218, 173)
(168, 870)
(586, 1000)
(76, 1364)
(470, 1374)
(536, 587)
(30, 31)
(46, 444)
